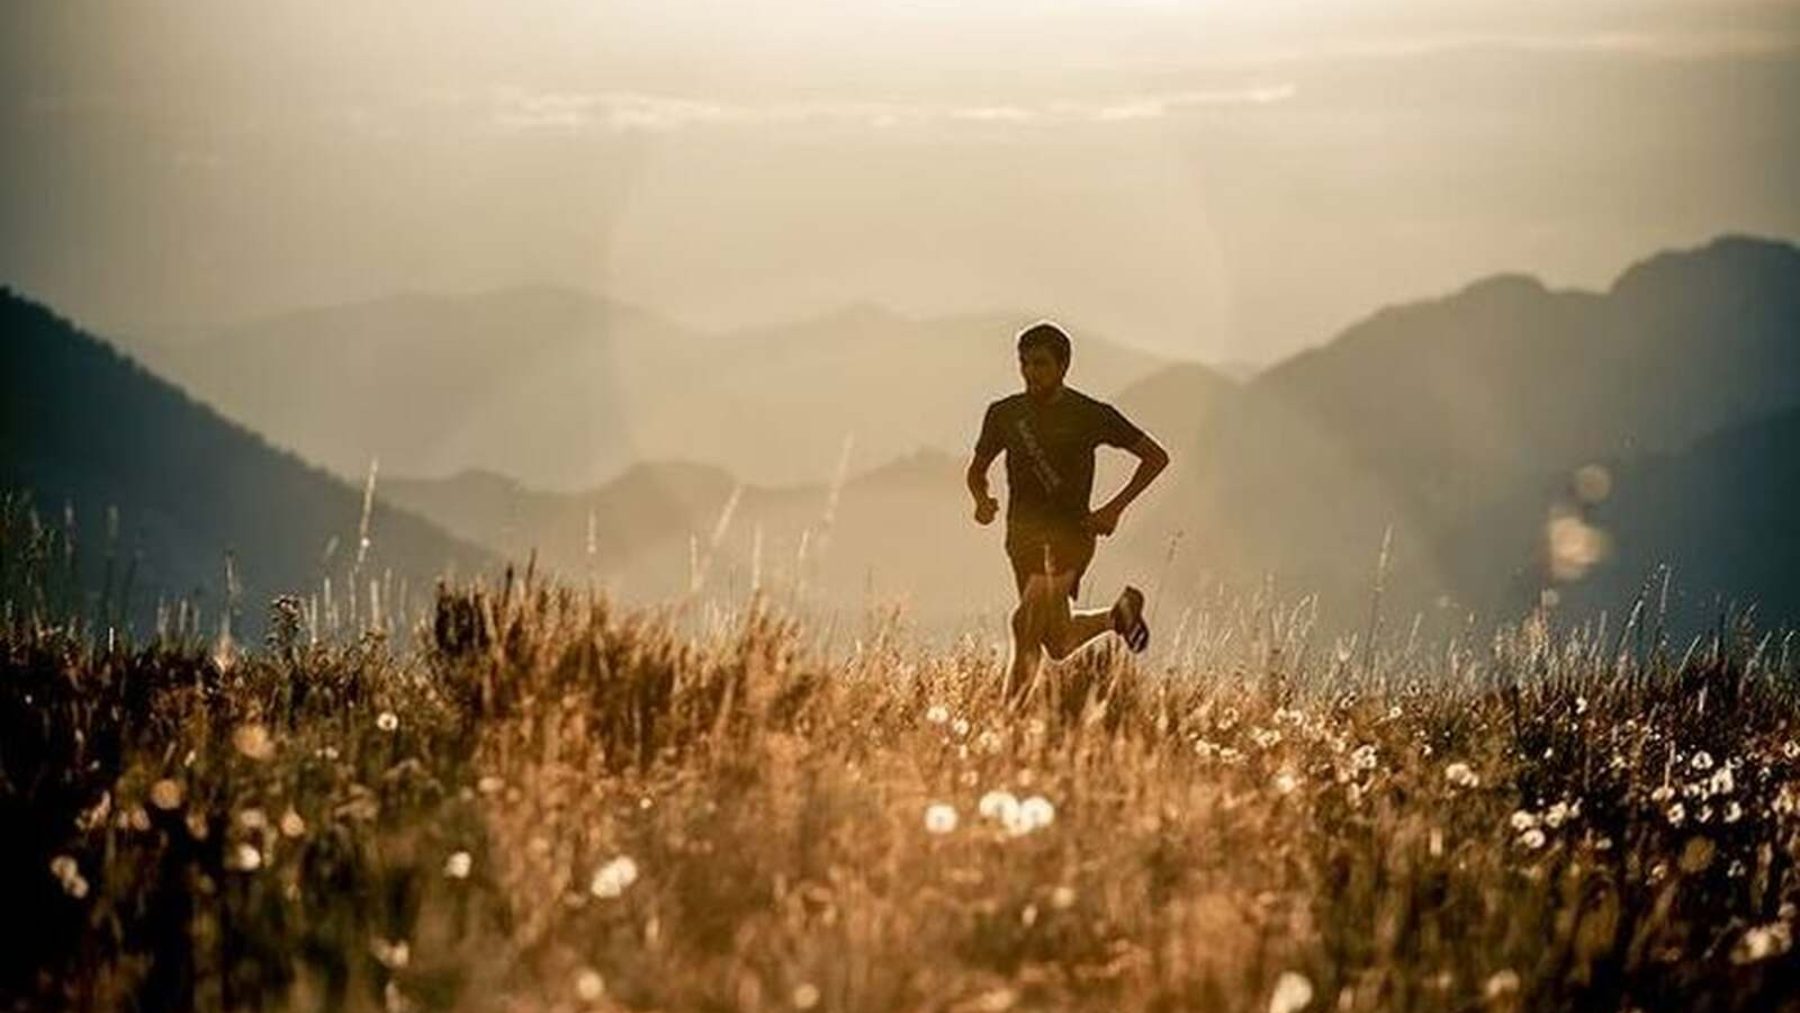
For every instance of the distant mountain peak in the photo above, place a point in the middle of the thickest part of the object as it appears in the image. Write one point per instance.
(1733, 255)
(1506, 286)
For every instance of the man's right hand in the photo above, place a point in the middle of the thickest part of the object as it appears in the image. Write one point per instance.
(986, 508)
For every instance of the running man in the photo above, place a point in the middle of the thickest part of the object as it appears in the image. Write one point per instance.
(1049, 434)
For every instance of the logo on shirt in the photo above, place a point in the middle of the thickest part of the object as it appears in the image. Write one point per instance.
(1040, 462)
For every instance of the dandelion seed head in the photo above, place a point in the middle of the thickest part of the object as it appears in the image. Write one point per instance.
(1533, 838)
(937, 714)
(1293, 992)
(1036, 813)
(1523, 820)
(244, 858)
(1702, 760)
(1762, 942)
(166, 795)
(589, 986)
(292, 825)
(1461, 775)
(392, 955)
(1501, 984)
(387, 721)
(998, 805)
(1062, 897)
(959, 727)
(458, 865)
(805, 995)
(613, 878)
(73, 883)
(1786, 802)
(253, 741)
(1285, 782)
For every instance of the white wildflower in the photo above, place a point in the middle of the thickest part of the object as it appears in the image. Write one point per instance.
(614, 877)
(254, 741)
(1501, 984)
(292, 825)
(1461, 775)
(1722, 782)
(1762, 942)
(1036, 813)
(940, 818)
(1293, 992)
(1001, 806)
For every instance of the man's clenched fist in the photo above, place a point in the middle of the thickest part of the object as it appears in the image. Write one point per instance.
(985, 509)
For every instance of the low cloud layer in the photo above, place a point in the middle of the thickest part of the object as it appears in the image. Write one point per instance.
(518, 109)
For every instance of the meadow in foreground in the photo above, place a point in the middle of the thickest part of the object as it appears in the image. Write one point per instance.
(535, 800)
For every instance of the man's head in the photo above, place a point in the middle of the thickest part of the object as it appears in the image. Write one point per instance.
(1043, 358)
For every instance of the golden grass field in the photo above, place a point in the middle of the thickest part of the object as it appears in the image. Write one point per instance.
(537, 801)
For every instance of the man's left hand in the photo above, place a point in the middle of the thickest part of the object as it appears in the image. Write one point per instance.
(1102, 521)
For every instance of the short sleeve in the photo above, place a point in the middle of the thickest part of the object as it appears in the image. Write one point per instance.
(991, 441)
(1116, 430)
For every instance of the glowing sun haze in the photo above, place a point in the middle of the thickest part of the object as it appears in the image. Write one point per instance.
(1229, 180)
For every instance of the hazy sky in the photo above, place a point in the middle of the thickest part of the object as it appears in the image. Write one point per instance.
(1229, 180)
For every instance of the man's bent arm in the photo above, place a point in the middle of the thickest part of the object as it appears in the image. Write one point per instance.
(977, 477)
(1152, 459)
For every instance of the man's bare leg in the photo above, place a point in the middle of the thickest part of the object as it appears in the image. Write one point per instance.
(1071, 630)
(1046, 622)
(1030, 626)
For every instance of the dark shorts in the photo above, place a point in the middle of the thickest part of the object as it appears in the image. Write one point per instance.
(1037, 549)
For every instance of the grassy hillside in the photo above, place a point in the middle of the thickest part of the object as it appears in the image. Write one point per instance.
(553, 804)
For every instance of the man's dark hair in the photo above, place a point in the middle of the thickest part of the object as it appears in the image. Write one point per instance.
(1045, 335)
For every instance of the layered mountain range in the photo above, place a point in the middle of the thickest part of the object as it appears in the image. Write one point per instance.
(159, 490)
(562, 390)
(1464, 455)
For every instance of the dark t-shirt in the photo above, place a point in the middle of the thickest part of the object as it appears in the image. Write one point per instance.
(1050, 452)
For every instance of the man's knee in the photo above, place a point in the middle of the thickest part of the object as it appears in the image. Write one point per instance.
(1059, 643)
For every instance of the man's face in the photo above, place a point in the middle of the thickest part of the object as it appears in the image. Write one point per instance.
(1042, 371)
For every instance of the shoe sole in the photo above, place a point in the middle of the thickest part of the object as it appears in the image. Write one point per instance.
(1128, 620)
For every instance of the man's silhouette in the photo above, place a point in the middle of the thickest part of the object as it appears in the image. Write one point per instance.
(1049, 434)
